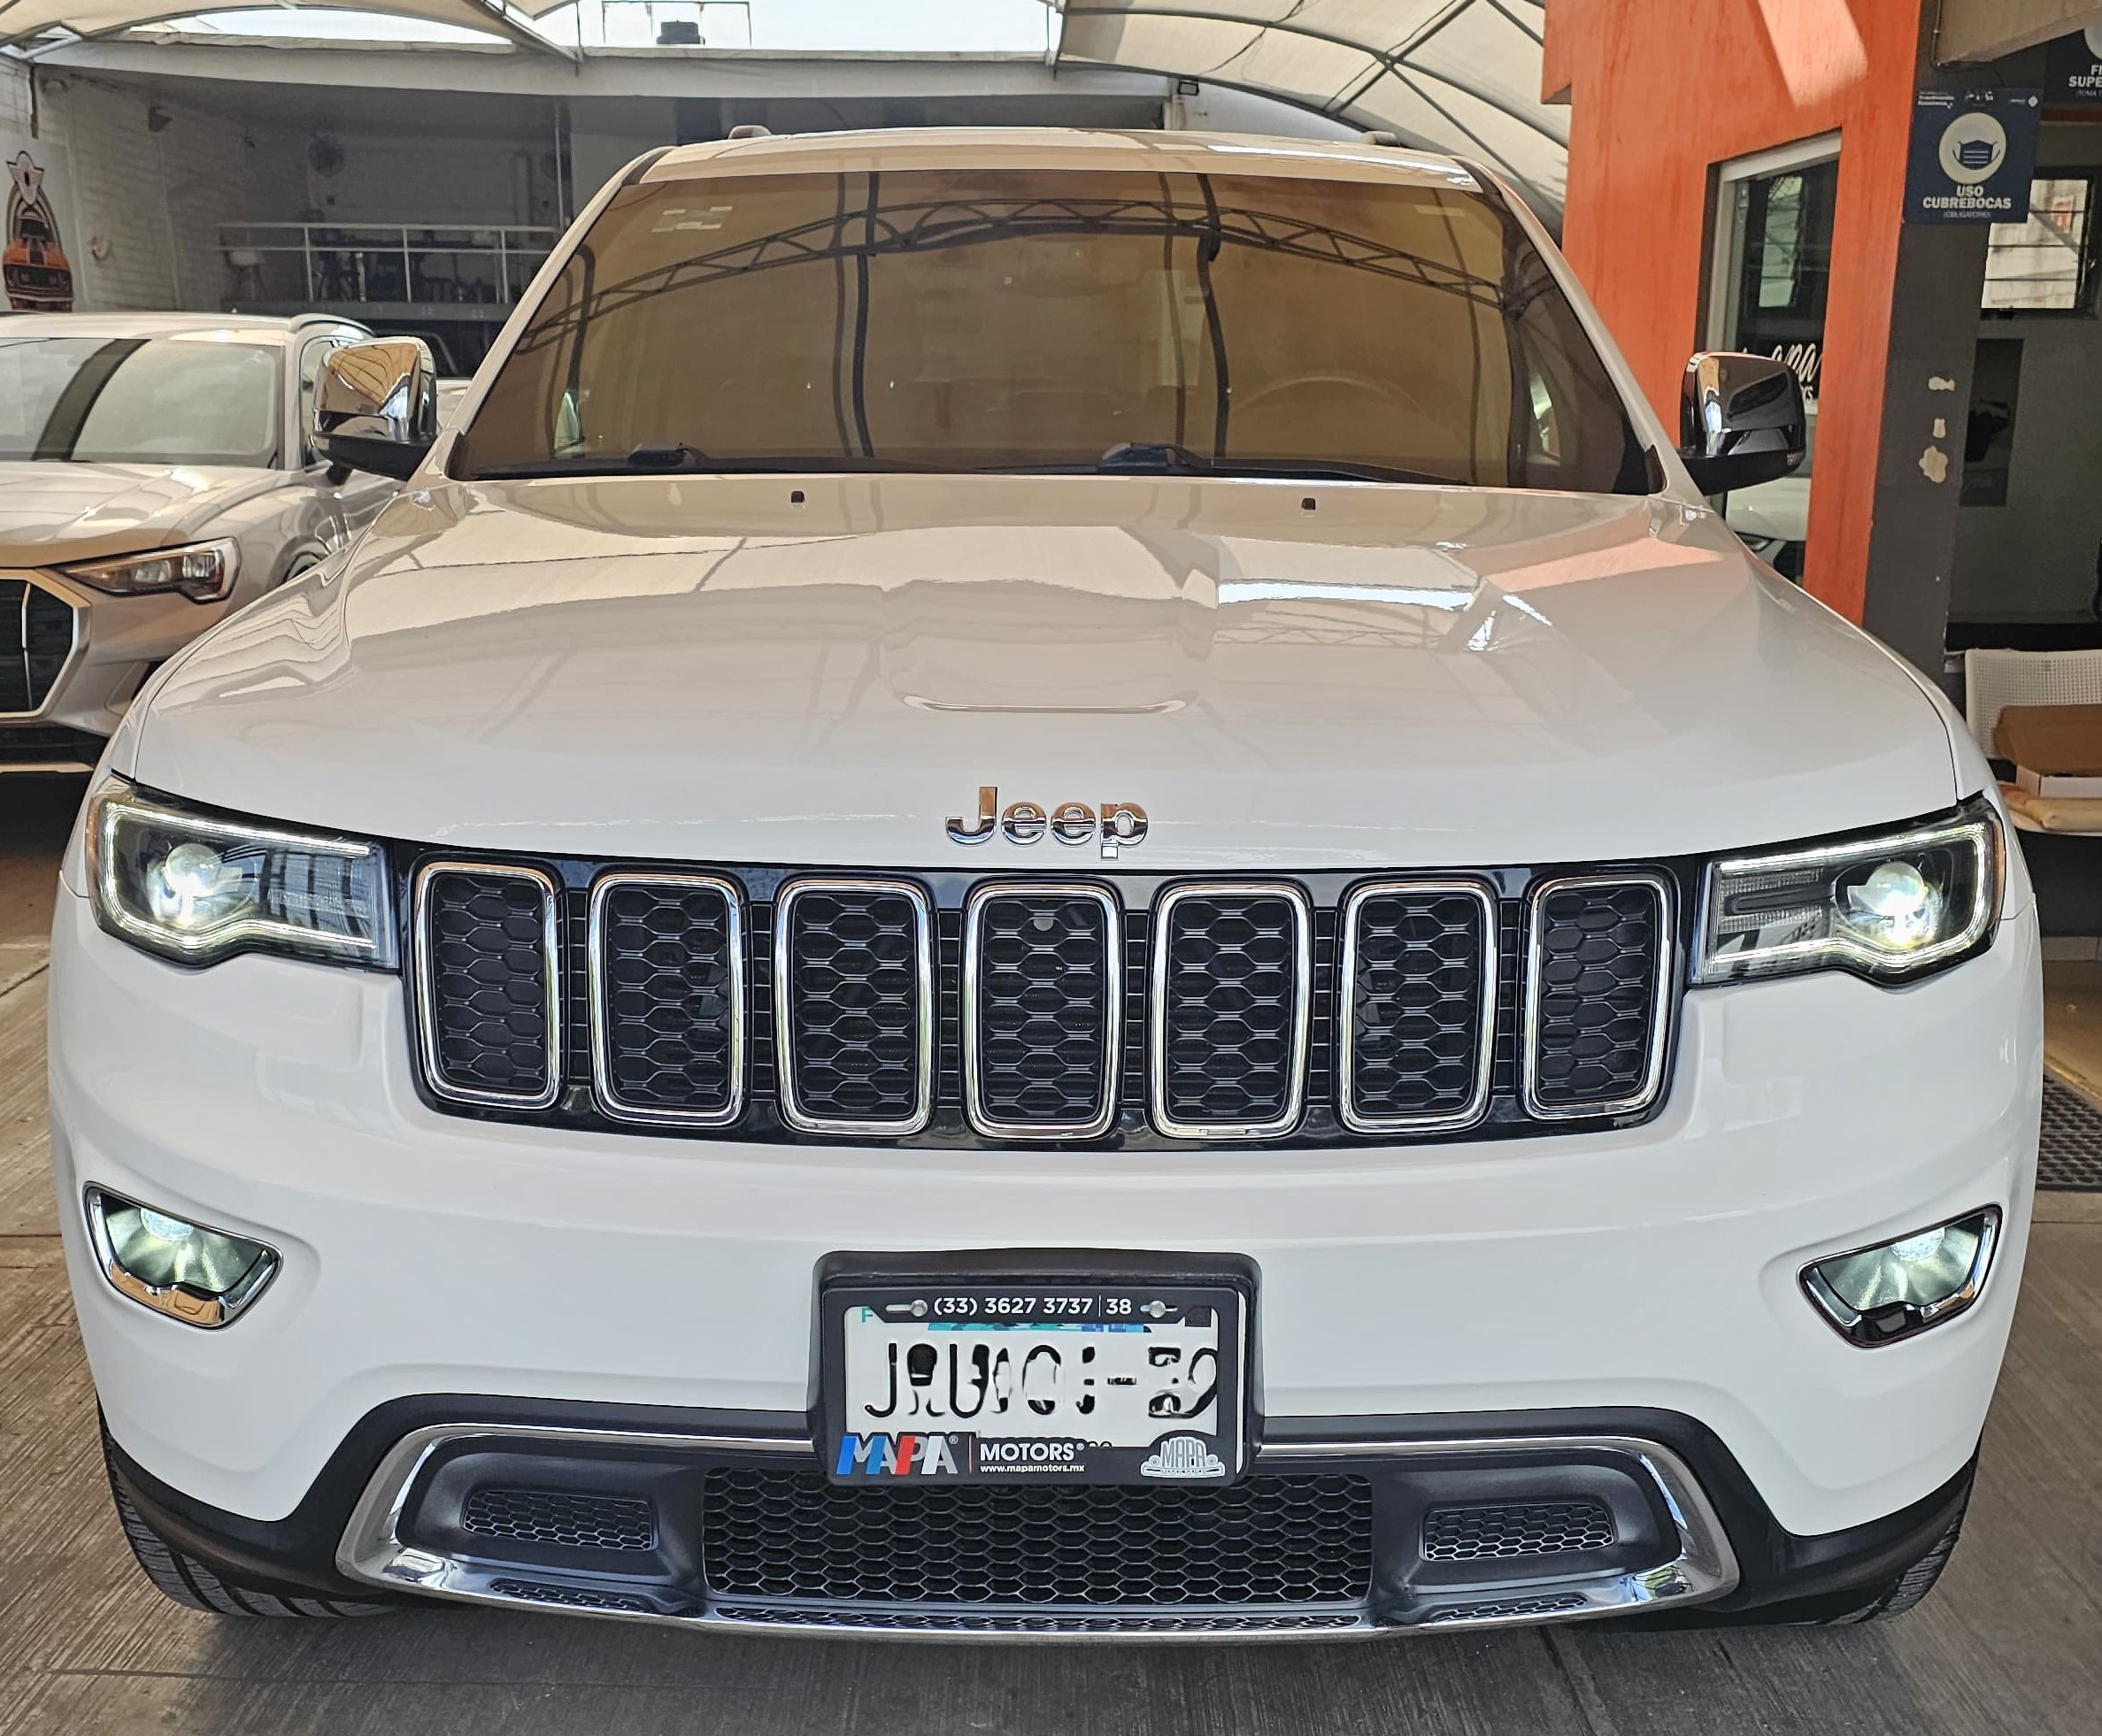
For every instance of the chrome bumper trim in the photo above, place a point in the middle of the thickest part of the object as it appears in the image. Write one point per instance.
(373, 1551)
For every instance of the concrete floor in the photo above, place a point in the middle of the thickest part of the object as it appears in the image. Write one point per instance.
(2011, 1641)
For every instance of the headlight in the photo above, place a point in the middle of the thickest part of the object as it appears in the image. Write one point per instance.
(1891, 907)
(202, 572)
(197, 888)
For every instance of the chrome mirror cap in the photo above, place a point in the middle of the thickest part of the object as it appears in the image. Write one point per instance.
(377, 405)
(1741, 420)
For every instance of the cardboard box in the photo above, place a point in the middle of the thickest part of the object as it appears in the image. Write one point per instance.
(2056, 749)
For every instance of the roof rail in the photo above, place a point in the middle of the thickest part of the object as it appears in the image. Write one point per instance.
(749, 129)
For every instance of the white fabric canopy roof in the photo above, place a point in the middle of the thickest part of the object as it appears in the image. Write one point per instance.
(22, 19)
(1453, 75)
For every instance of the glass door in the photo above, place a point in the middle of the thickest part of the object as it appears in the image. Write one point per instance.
(1767, 289)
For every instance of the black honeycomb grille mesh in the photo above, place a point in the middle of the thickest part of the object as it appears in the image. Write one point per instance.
(668, 997)
(1223, 961)
(1601, 947)
(562, 1517)
(36, 632)
(1231, 964)
(788, 1533)
(1043, 1009)
(488, 982)
(1506, 1532)
(1417, 1002)
(853, 1045)
(572, 1597)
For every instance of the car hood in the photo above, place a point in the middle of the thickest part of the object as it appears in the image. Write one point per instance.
(823, 670)
(52, 513)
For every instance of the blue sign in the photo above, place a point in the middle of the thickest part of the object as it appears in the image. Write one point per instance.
(1973, 153)
(2072, 68)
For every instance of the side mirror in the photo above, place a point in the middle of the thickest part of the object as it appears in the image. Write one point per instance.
(1741, 420)
(376, 406)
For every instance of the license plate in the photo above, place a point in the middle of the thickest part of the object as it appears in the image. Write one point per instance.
(1054, 1381)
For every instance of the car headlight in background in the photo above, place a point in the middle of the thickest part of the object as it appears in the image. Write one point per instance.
(202, 572)
(1891, 907)
(198, 887)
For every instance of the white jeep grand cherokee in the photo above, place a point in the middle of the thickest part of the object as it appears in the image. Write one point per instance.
(1047, 883)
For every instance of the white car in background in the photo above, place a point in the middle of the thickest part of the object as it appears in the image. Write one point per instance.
(1047, 883)
(156, 471)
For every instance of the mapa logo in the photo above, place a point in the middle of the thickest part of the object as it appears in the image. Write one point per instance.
(1183, 1456)
(901, 1455)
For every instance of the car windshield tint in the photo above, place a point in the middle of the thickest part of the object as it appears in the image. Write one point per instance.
(1059, 320)
(198, 400)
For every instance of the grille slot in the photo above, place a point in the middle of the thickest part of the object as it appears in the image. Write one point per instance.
(667, 998)
(572, 1597)
(909, 1621)
(37, 629)
(776, 1532)
(562, 1517)
(489, 1012)
(1596, 991)
(1232, 992)
(1042, 974)
(1510, 1608)
(854, 1006)
(1418, 984)
(1505, 1532)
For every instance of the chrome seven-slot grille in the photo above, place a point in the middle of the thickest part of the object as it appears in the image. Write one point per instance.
(955, 1009)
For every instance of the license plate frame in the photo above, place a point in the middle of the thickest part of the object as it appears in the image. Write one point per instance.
(1108, 1313)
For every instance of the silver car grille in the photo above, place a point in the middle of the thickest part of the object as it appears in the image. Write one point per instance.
(956, 1010)
(38, 631)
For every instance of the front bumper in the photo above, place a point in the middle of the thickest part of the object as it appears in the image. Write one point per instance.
(390, 1516)
(1652, 1269)
(118, 641)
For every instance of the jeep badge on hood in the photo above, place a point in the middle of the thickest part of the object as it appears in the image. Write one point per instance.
(1070, 822)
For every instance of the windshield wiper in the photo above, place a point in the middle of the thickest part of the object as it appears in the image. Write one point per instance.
(1136, 458)
(670, 458)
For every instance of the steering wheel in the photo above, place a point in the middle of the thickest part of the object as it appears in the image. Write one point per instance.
(1382, 390)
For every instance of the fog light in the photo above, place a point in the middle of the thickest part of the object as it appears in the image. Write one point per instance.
(200, 1276)
(1878, 1294)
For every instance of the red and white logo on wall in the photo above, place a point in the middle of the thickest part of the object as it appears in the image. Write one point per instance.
(37, 276)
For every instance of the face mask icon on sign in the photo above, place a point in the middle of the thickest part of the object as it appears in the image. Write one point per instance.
(1972, 147)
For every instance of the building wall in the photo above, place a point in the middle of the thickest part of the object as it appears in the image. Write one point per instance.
(1655, 104)
(386, 176)
(2040, 555)
(147, 203)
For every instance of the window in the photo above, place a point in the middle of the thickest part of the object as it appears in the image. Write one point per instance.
(1042, 319)
(2046, 265)
(187, 398)
(1770, 278)
(317, 351)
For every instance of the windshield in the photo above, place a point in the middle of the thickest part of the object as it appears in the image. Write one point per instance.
(199, 400)
(1059, 320)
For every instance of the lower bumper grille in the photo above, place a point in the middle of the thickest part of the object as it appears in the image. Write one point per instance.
(914, 1621)
(1335, 1537)
(1267, 1542)
(1509, 1533)
(48, 745)
(558, 1518)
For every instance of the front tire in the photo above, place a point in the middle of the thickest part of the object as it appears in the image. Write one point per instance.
(184, 1580)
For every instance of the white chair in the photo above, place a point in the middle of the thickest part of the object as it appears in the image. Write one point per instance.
(1993, 680)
